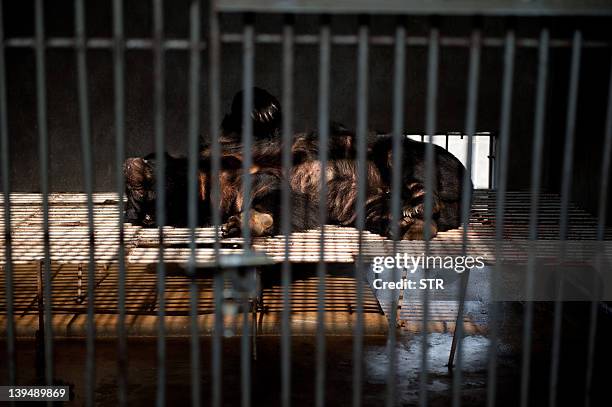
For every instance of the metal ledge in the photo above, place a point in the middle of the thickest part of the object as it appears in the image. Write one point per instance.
(416, 7)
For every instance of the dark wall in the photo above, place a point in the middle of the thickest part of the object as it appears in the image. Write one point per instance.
(65, 158)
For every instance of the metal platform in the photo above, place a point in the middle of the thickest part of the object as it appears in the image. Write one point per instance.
(69, 257)
(69, 233)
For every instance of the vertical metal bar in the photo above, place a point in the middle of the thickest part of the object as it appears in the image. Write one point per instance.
(504, 142)
(430, 128)
(399, 74)
(40, 356)
(286, 207)
(247, 122)
(540, 112)
(43, 156)
(472, 97)
(563, 221)
(6, 192)
(245, 354)
(214, 61)
(81, 54)
(492, 161)
(192, 190)
(466, 199)
(119, 90)
(247, 162)
(323, 114)
(362, 184)
(160, 176)
(601, 227)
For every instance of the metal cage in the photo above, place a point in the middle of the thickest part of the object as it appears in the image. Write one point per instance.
(85, 233)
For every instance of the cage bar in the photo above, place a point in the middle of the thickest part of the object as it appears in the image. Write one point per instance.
(533, 217)
(362, 171)
(84, 121)
(247, 142)
(43, 150)
(6, 193)
(214, 61)
(430, 129)
(160, 173)
(563, 221)
(470, 126)
(398, 131)
(536, 168)
(416, 7)
(247, 124)
(323, 125)
(119, 100)
(193, 189)
(287, 139)
(414, 41)
(504, 142)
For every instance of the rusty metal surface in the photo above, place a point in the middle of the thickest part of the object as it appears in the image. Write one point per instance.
(69, 244)
(69, 250)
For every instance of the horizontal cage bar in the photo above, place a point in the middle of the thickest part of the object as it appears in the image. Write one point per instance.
(456, 7)
(182, 44)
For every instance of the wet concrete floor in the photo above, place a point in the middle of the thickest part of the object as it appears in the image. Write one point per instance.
(266, 374)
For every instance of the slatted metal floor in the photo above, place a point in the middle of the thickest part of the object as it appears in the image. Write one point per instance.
(69, 256)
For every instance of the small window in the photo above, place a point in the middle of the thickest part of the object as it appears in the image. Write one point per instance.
(457, 144)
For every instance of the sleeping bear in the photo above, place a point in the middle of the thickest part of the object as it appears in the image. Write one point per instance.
(263, 200)
(341, 177)
(304, 179)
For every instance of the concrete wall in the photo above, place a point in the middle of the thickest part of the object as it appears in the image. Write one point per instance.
(65, 158)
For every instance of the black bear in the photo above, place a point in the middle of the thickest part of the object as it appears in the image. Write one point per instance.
(305, 179)
(264, 198)
(341, 177)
